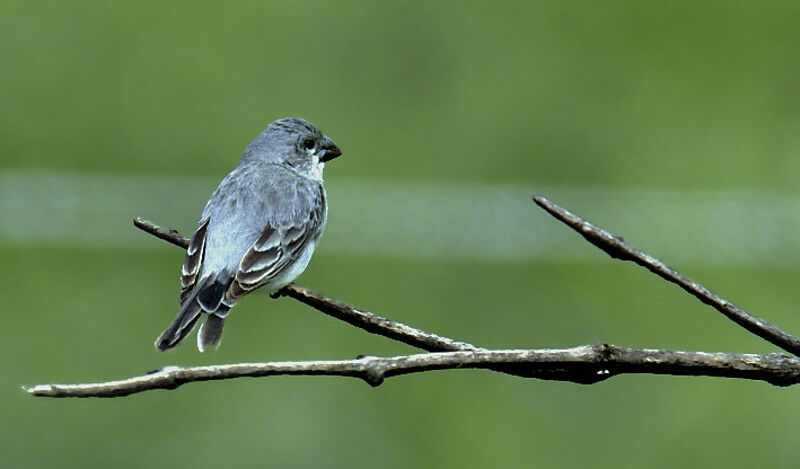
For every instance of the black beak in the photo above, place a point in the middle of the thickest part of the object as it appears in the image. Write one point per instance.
(329, 151)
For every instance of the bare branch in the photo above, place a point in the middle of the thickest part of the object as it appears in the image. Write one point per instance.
(601, 361)
(618, 249)
(170, 236)
(375, 324)
(585, 364)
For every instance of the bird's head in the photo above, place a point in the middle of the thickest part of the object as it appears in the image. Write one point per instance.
(295, 143)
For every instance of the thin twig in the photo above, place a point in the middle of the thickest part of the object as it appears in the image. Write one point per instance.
(619, 249)
(601, 361)
(170, 236)
(375, 324)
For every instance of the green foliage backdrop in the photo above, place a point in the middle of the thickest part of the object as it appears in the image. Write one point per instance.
(674, 95)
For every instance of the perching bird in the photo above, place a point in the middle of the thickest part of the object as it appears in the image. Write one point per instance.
(258, 229)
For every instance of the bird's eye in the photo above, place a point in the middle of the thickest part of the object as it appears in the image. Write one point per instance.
(308, 143)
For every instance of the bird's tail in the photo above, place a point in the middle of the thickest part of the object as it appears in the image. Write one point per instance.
(206, 297)
(187, 317)
(210, 332)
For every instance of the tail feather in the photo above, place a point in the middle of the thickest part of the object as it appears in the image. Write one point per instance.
(205, 298)
(180, 327)
(210, 333)
(211, 293)
(185, 320)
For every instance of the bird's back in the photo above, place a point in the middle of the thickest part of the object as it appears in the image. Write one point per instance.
(249, 198)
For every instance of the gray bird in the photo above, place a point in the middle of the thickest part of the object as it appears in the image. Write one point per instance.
(258, 229)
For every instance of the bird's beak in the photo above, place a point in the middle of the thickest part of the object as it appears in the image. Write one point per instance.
(329, 151)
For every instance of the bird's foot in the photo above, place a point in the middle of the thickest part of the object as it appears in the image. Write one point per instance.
(277, 294)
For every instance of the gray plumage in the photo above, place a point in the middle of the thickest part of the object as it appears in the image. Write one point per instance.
(258, 229)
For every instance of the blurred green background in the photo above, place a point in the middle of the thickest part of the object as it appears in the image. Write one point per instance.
(654, 98)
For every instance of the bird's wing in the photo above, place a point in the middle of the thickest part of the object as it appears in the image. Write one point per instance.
(277, 247)
(193, 260)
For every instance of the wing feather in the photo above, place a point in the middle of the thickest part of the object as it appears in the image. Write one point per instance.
(193, 261)
(276, 248)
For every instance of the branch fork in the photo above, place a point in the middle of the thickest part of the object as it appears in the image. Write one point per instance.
(586, 364)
